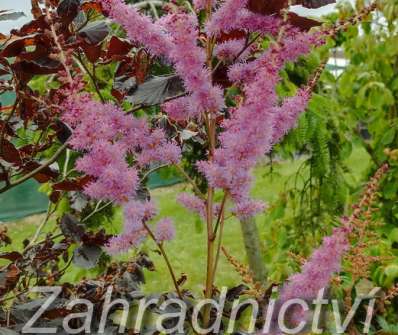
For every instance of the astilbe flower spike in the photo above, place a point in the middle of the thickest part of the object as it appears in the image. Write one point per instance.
(317, 272)
(256, 125)
(232, 15)
(189, 62)
(139, 28)
(134, 232)
(174, 37)
(165, 230)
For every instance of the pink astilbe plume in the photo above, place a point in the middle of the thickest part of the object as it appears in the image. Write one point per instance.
(135, 213)
(229, 50)
(317, 272)
(197, 205)
(140, 28)
(178, 109)
(258, 123)
(246, 137)
(107, 135)
(315, 275)
(192, 203)
(125, 241)
(165, 230)
(189, 62)
(114, 179)
(292, 46)
(232, 15)
(287, 114)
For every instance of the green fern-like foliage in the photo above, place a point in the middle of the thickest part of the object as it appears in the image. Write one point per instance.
(318, 191)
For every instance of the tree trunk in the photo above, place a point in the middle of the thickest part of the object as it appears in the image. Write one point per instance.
(251, 239)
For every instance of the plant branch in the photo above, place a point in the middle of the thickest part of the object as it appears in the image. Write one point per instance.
(140, 106)
(220, 214)
(35, 171)
(190, 180)
(62, 57)
(219, 242)
(169, 266)
(91, 75)
(42, 225)
(98, 208)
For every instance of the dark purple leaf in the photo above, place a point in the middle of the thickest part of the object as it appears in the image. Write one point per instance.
(95, 32)
(68, 10)
(118, 47)
(9, 153)
(72, 228)
(12, 256)
(156, 90)
(87, 256)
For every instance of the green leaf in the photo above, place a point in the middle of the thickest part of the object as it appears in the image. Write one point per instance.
(388, 136)
(346, 150)
(391, 271)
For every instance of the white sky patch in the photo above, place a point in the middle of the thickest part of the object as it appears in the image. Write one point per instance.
(316, 12)
(16, 6)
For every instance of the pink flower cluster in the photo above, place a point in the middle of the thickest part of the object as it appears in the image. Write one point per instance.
(258, 123)
(292, 46)
(139, 28)
(134, 232)
(136, 214)
(165, 230)
(232, 15)
(197, 205)
(229, 50)
(193, 203)
(189, 62)
(107, 135)
(174, 37)
(315, 274)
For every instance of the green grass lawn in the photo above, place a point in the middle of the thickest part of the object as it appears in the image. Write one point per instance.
(187, 252)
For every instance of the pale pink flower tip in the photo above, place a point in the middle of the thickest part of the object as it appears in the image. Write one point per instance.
(125, 242)
(192, 203)
(165, 230)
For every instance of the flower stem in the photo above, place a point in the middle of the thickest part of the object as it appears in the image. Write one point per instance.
(166, 259)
